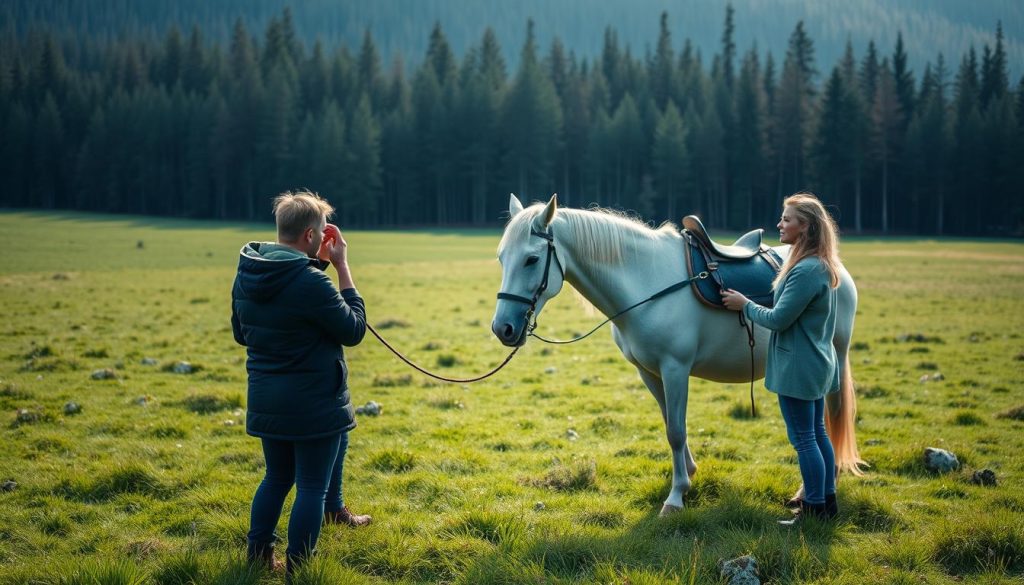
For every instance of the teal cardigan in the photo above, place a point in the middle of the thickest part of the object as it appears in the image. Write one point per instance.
(801, 358)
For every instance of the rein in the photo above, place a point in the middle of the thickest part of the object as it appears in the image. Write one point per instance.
(531, 319)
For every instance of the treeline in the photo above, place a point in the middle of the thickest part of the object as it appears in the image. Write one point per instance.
(186, 127)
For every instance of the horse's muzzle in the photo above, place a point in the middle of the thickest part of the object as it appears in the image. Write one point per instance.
(508, 334)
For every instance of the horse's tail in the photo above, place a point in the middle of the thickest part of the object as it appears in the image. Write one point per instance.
(841, 420)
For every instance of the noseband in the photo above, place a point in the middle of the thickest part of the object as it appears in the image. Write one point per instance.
(532, 302)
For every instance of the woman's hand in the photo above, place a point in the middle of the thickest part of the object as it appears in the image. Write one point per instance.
(733, 300)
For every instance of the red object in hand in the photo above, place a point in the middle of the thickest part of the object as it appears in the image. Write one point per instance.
(331, 233)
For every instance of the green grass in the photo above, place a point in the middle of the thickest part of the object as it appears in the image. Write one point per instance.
(151, 482)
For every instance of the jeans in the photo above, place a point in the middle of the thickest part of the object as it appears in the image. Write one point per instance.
(805, 425)
(308, 465)
(335, 500)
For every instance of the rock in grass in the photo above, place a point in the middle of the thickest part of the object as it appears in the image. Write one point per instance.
(148, 361)
(936, 377)
(182, 368)
(26, 416)
(104, 374)
(539, 507)
(371, 408)
(572, 435)
(8, 486)
(984, 477)
(72, 407)
(940, 460)
(740, 571)
(143, 400)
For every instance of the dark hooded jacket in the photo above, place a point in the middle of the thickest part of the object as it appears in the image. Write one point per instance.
(293, 321)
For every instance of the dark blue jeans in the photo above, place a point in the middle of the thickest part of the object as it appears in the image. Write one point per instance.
(307, 464)
(335, 500)
(805, 425)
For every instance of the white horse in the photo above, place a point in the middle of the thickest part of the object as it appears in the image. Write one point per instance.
(615, 262)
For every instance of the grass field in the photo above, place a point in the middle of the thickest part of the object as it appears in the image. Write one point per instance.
(151, 482)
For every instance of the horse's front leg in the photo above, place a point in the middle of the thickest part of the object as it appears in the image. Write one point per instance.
(676, 381)
(657, 388)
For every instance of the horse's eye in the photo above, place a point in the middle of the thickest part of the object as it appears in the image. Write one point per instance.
(532, 260)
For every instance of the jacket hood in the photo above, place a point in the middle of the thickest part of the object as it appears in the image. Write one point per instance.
(265, 268)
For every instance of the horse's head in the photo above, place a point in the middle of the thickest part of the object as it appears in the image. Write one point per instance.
(531, 271)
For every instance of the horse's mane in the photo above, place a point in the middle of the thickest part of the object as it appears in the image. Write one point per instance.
(600, 231)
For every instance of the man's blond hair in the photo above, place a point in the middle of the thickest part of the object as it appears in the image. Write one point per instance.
(296, 212)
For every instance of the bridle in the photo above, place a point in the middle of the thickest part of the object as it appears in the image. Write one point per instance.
(531, 319)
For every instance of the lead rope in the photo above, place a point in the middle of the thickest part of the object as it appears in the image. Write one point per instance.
(750, 341)
(435, 376)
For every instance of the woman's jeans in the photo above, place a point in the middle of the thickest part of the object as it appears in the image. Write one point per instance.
(805, 425)
(309, 465)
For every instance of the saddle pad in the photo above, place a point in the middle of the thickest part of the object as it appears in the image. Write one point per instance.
(751, 276)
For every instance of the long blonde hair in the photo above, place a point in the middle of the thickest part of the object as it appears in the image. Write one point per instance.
(821, 238)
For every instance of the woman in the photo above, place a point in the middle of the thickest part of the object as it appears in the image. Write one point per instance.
(802, 366)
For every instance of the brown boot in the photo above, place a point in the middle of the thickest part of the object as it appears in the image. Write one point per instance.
(343, 516)
(262, 554)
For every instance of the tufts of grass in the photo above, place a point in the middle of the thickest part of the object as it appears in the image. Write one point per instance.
(320, 570)
(124, 478)
(499, 528)
(603, 518)
(390, 381)
(184, 568)
(393, 461)
(167, 431)
(905, 552)
(604, 426)
(573, 477)
(569, 556)
(993, 541)
(966, 418)
(740, 410)
(392, 324)
(447, 403)
(873, 392)
(868, 510)
(208, 403)
(447, 360)
(95, 571)
(1015, 413)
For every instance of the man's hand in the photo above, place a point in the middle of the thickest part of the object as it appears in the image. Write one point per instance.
(335, 246)
(733, 300)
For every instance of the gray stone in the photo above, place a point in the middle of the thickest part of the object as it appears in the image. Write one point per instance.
(572, 435)
(182, 368)
(143, 400)
(148, 361)
(104, 374)
(550, 370)
(8, 486)
(72, 408)
(984, 477)
(539, 507)
(940, 460)
(371, 408)
(740, 571)
(27, 416)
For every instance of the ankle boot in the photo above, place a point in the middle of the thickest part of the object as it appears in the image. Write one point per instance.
(806, 510)
(831, 506)
(262, 554)
(344, 516)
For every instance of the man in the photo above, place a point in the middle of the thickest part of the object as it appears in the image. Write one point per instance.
(293, 322)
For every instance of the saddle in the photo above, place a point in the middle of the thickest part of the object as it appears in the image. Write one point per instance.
(747, 266)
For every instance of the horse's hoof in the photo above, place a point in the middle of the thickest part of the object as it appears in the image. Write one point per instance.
(668, 509)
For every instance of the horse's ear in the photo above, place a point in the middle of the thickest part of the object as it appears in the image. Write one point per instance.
(514, 205)
(550, 209)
